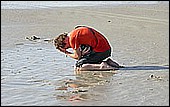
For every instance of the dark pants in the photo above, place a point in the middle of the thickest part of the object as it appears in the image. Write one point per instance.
(93, 58)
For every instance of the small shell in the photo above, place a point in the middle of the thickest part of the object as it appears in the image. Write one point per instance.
(151, 76)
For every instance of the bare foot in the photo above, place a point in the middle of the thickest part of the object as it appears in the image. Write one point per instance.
(113, 64)
(104, 65)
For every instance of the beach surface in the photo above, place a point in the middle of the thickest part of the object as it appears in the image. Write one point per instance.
(34, 73)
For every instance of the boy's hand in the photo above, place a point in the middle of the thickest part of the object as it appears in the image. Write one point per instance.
(86, 50)
(62, 49)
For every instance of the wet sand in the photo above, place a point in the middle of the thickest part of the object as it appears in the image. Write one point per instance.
(34, 73)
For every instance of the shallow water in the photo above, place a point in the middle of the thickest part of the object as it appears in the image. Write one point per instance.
(29, 65)
(51, 4)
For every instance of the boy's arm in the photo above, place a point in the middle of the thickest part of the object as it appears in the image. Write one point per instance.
(76, 53)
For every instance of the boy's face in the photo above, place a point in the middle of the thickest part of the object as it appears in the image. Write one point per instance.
(66, 42)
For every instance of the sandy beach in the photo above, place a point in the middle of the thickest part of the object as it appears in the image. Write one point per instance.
(34, 73)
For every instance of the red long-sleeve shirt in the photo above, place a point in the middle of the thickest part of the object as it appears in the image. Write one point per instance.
(88, 36)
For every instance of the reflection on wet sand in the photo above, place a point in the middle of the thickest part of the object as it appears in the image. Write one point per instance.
(78, 89)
